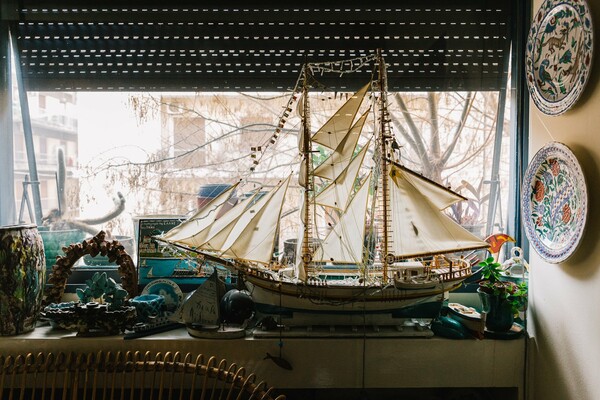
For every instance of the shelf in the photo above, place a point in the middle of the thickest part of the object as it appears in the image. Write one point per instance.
(324, 363)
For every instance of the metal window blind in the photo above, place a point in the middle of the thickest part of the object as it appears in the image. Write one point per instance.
(248, 46)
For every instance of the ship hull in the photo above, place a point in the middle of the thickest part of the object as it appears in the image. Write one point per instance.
(273, 296)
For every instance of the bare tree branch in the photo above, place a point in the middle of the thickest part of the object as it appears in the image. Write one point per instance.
(459, 129)
(414, 136)
(435, 131)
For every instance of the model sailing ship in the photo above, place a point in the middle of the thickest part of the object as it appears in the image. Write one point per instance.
(392, 251)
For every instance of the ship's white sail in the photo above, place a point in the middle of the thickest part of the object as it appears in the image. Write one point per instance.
(440, 196)
(419, 228)
(246, 232)
(299, 270)
(335, 129)
(214, 235)
(201, 219)
(253, 237)
(337, 193)
(345, 242)
(339, 159)
(302, 174)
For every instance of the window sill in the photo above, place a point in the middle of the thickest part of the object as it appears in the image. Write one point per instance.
(325, 363)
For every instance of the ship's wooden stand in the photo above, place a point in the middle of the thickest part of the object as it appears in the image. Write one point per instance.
(346, 331)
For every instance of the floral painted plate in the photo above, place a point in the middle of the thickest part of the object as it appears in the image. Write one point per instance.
(559, 54)
(554, 202)
(167, 289)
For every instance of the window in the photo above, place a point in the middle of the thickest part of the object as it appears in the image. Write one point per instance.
(156, 130)
(163, 159)
(188, 140)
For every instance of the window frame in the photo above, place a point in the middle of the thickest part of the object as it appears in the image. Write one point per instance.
(519, 20)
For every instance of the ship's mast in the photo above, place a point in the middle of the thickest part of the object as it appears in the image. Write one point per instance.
(308, 176)
(384, 137)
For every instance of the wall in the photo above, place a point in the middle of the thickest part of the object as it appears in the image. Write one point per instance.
(564, 319)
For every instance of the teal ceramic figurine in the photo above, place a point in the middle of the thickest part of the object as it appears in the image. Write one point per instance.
(101, 310)
(22, 273)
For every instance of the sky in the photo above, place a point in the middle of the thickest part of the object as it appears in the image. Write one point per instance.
(108, 127)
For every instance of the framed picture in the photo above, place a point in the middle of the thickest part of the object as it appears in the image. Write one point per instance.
(158, 260)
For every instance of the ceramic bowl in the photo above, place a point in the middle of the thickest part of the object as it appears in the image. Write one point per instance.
(148, 305)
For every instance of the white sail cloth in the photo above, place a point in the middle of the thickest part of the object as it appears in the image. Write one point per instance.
(339, 159)
(335, 129)
(419, 228)
(337, 193)
(212, 236)
(201, 219)
(440, 196)
(252, 238)
(247, 232)
(345, 242)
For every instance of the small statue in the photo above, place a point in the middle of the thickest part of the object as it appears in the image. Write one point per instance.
(516, 265)
(103, 289)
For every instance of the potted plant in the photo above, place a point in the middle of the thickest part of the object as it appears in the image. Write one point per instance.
(468, 213)
(59, 229)
(501, 299)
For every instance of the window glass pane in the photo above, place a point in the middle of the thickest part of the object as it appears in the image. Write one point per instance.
(451, 137)
(157, 151)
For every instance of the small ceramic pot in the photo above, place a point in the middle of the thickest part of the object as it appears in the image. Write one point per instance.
(148, 305)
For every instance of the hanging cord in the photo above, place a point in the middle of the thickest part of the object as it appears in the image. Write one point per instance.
(364, 343)
(280, 325)
(279, 360)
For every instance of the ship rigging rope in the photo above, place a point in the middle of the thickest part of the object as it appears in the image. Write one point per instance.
(341, 67)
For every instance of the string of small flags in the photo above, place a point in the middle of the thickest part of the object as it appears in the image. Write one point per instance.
(257, 153)
(341, 67)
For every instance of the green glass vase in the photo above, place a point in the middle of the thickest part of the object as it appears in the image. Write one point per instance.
(499, 312)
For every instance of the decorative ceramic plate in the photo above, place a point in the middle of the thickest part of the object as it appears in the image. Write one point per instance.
(166, 288)
(559, 54)
(554, 202)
